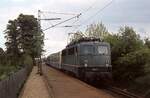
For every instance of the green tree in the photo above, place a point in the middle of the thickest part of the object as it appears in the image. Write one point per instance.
(12, 43)
(132, 65)
(130, 40)
(96, 30)
(147, 43)
(126, 54)
(31, 41)
(2, 57)
(23, 38)
(76, 36)
(116, 46)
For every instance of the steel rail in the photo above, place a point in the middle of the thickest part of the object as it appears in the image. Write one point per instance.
(122, 92)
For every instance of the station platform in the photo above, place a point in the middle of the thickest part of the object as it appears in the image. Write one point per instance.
(35, 86)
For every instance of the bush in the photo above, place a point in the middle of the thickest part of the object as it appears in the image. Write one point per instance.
(132, 65)
(6, 71)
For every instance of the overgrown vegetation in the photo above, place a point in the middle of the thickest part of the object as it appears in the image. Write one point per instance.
(24, 43)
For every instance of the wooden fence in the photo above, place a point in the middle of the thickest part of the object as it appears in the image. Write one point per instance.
(10, 87)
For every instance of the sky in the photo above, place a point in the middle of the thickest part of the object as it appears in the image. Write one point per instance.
(119, 13)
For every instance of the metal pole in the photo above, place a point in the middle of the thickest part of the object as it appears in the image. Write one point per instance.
(39, 31)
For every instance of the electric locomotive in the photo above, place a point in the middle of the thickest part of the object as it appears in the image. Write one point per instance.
(87, 58)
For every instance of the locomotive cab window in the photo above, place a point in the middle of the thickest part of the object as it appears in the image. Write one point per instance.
(102, 50)
(87, 49)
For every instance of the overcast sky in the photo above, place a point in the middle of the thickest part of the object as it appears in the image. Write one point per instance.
(133, 13)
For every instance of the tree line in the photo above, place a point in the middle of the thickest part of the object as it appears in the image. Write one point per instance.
(23, 43)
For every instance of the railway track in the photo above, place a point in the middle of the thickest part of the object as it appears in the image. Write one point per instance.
(114, 90)
(121, 92)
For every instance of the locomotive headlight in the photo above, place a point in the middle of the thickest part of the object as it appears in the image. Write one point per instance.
(85, 63)
(107, 65)
(107, 62)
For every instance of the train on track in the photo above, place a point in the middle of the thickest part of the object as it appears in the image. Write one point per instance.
(87, 58)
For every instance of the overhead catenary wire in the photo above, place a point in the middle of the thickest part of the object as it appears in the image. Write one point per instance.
(90, 7)
(75, 16)
(83, 12)
(67, 14)
(83, 23)
(73, 24)
(58, 13)
(78, 16)
(86, 10)
(90, 16)
(99, 11)
(62, 22)
(45, 18)
(58, 26)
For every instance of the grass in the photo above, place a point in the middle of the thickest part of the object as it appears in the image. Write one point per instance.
(7, 70)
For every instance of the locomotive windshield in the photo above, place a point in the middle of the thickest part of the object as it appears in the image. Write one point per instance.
(102, 50)
(94, 49)
(87, 49)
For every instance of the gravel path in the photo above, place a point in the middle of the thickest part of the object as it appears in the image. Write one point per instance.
(63, 86)
(35, 86)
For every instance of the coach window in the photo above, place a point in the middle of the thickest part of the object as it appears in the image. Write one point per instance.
(71, 51)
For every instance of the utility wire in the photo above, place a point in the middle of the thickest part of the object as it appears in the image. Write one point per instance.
(45, 18)
(86, 10)
(62, 22)
(83, 23)
(58, 13)
(51, 25)
(77, 16)
(67, 14)
(73, 24)
(90, 7)
(99, 11)
(83, 12)
(58, 26)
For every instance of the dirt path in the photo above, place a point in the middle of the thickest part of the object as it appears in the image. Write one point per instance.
(35, 86)
(63, 86)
